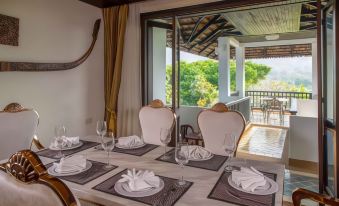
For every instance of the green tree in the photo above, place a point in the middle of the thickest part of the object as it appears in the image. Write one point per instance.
(199, 80)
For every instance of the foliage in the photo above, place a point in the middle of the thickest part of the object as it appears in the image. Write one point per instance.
(199, 80)
(269, 85)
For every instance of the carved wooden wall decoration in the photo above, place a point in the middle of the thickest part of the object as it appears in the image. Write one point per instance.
(37, 67)
(9, 30)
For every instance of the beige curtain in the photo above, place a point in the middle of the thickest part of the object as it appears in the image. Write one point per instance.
(115, 20)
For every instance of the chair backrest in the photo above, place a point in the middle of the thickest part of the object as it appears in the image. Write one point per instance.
(153, 118)
(17, 129)
(25, 181)
(274, 104)
(218, 121)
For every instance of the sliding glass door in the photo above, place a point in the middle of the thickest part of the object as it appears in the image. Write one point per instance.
(329, 99)
(162, 62)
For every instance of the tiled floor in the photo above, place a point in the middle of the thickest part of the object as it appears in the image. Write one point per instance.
(263, 141)
(258, 118)
(294, 180)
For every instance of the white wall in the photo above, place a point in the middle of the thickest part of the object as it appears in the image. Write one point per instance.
(55, 31)
(303, 140)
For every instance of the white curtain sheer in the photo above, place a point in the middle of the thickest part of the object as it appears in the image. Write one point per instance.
(129, 102)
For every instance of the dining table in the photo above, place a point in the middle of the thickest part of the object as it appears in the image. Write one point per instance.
(202, 181)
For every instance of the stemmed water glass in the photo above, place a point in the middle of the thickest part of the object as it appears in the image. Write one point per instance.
(108, 144)
(101, 130)
(181, 157)
(60, 134)
(229, 145)
(165, 138)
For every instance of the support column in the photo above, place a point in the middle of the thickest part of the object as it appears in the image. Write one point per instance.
(224, 82)
(159, 63)
(240, 70)
(314, 71)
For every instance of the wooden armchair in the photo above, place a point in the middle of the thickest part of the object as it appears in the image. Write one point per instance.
(191, 137)
(275, 105)
(301, 194)
(24, 180)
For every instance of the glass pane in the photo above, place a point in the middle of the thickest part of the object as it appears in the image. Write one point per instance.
(329, 68)
(159, 61)
(330, 160)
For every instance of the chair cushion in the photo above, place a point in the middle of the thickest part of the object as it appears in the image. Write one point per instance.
(14, 192)
(152, 120)
(16, 131)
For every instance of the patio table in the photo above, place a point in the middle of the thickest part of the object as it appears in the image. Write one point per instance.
(203, 180)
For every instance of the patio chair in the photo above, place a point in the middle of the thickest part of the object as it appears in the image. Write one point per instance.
(273, 106)
(192, 138)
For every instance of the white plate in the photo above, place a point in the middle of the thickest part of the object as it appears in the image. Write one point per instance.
(51, 170)
(123, 189)
(207, 158)
(67, 148)
(134, 147)
(270, 187)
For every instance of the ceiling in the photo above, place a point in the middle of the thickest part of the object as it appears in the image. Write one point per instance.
(199, 34)
(109, 3)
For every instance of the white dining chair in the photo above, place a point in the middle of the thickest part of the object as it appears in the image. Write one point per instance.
(25, 181)
(153, 118)
(17, 129)
(218, 121)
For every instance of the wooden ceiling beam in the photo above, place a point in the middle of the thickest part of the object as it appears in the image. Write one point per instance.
(308, 19)
(203, 29)
(212, 35)
(207, 46)
(309, 27)
(195, 29)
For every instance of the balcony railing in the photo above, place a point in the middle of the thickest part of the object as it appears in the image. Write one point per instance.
(257, 97)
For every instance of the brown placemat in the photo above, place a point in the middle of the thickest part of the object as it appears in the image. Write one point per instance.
(97, 169)
(168, 196)
(224, 192)
(136, 152)
(213, 164)
(51, 153)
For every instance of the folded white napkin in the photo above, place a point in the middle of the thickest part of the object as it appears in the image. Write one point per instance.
(248, 178)
(197, 152)
(141, 180)
(70, 164)
(130, 141)
(67, 141)
(71, 141)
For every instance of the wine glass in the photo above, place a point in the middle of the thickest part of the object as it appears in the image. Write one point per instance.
(60, 134)
(165, 138)
(181, 157)
(101, 130)
(142, 139)
(108, 144)
(229, 145)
